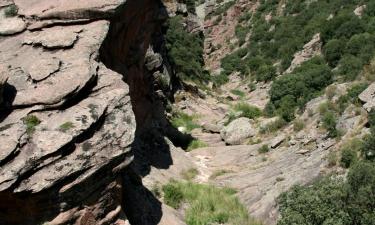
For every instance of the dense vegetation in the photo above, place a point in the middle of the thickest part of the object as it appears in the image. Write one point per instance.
(348, 45)
(296, 89)
(333, 200)
(185, 51)
(206, 204)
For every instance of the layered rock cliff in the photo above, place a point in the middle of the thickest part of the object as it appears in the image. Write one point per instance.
(78, 81)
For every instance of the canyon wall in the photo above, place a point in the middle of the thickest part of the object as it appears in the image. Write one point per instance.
(79, 81)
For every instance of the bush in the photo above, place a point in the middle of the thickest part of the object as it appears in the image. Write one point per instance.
(238, 93)
(349, 67)
(247, 110)
(66, 126)
(296, 89)
(332, 159)
(11, 11)
(196, 144)
(333, 51)
(368, 149)
(173, 196)
(220, 79)
(332, 200)
(266, 73)
(185, 51)
(181, 119)
(361, 46)
(273, 126)
(264, 149)
(329, 123)
(31, 122)
(348, 157)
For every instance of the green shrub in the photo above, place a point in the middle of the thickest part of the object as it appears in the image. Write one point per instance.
(66, 126)
(11, 11)
(332, 200)
(185, 51)
(207, 204)
(264, 149)
(173, 196)
(349, 67)
(329, 123)
(194, 144)
(238, 93)
(355, 91)
(368, 149)
(31, 121)
(332, 159)
(348, 157)
(296, 89)
(361, 46)
(181, 119)
(220, 79)
(247, 110)
(241, 33)
(298, 125)
(273, 126)
(333, 51)
(266, 73)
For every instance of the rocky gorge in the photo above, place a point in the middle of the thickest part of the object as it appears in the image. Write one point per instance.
(95, 118)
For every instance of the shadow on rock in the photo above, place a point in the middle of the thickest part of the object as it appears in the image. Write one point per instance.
(144, 208)
(8, 95)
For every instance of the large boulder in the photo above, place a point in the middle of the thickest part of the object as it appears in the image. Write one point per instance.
(238, 131)
(368, 97)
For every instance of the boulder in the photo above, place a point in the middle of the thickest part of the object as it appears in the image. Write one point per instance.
(10, 26)
(212, 128)
(275, 142)
(359, 10)
(238, 131)
(349, 120)
(368, 97)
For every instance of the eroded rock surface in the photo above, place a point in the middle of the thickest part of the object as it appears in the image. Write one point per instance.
(238, 131)
(311, 49)
(368, 97)
(67, 125)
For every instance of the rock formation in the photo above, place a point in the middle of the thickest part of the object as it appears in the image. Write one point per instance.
(79, 92)
(368, 97)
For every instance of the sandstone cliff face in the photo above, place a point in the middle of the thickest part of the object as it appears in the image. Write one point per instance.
(78, 92)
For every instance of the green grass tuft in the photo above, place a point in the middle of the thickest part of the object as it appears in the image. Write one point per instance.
(196, 144)
(66, 126)
(207, 204)
(31, 122)
(181, 119)
(264, 149)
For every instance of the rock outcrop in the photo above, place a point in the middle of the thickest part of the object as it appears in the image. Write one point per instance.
(311, 49)
(79, 89)
(368, 97)
(238, 131)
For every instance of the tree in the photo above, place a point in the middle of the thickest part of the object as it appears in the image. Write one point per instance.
(333, 51)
